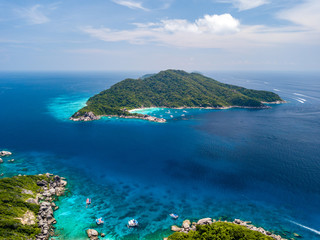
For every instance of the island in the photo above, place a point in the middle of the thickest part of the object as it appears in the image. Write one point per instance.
(170, 89)
(27, 205)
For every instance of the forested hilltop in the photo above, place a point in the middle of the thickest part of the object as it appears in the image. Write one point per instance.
(172, 89)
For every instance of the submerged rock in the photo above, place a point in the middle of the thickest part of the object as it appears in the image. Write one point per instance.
(5, 153)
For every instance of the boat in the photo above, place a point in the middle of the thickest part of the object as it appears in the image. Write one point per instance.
(171, 116)
(99, 221)
(173, 215)
(88, 201)
(133, 223)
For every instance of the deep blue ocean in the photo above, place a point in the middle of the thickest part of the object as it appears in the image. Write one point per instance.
(257, 165)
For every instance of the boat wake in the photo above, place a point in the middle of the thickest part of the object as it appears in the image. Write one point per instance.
(305, 227)
(302, 95)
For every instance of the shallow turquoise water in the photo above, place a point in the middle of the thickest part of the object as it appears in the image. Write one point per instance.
(65, 106)
(172, 113)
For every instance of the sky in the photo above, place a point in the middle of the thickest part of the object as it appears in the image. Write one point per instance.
(151, 35)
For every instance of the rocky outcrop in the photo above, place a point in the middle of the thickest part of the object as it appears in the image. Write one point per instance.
(92, 234)
(145, 117)
(186, 227)
(186, 224)
(28, 218)
(204, 221)
(25, 191)
(55, 186)
(175, 228)
(5, 153)
(258, 229)
(88, 116)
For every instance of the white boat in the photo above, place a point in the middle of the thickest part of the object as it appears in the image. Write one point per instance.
(173, 215)
(133, 223)
(99, 221)
(171, 116)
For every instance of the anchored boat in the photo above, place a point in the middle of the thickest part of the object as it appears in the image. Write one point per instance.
(173, 215)
(99, 221)
(133, 223)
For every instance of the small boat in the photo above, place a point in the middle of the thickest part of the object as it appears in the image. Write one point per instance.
(171, 116)
(173, 215)
(184, 111)
(182, 115)
(88, 201)
(133, 223)
(99, 221)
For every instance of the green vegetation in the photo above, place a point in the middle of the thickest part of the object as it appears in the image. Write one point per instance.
(13, 205)
(220, 231)
(173, 89)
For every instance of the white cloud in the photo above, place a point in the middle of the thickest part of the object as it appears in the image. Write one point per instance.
(216, 24)
(245, 4)
(305, 14)
(33, 14)
(210, 24)
(131, 4)
(220, 24)
(211, 31)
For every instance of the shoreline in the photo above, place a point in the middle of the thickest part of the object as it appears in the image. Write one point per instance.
(31, 205)
(276, 102)
(90, 116)
(53, 188)
(213, 108)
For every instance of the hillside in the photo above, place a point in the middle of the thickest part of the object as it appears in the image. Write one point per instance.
(26, 206)
(172, 89)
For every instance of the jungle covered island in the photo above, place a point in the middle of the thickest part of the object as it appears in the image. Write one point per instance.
(170, 89)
